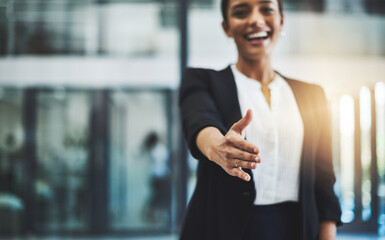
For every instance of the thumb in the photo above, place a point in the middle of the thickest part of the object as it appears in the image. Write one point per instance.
(240, 126)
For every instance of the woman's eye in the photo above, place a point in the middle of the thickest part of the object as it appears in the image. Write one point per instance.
(240, 13)
(268, 10)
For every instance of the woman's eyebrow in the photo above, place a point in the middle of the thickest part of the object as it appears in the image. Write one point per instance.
(265, 2)
(240, 5)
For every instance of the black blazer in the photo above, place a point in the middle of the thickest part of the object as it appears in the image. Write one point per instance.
(221, 204)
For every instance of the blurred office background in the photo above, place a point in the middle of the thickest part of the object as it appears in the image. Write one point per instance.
(90, 141)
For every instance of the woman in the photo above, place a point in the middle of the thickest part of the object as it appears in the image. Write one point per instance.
(273, 180)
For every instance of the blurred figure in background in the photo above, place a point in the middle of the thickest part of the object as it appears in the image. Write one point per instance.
(159, 201)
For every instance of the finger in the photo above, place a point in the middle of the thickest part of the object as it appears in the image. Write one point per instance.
(243, 155)
(242, 144)
(243, 123)
(237, 172)
(245, 164)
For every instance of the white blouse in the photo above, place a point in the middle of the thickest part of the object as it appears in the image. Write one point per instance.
(278, 133)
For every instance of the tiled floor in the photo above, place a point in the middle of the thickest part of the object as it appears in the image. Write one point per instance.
(339, 237)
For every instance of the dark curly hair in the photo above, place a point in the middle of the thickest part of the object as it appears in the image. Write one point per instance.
(225, 6)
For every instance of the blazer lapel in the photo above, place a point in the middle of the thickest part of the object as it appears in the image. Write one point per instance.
(230, 102)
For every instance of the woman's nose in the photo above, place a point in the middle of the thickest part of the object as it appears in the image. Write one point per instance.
(257, 19)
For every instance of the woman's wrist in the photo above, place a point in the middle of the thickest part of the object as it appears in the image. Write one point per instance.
(328, 230)
(206, 139)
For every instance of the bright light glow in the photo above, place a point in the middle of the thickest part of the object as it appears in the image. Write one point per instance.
(380, 93)
(347, 156)
(365, 109)
(347, 115)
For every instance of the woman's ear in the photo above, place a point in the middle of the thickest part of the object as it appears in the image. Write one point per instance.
(282, 18)
(225, 28)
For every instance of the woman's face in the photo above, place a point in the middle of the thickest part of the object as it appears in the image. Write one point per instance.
(255, 26)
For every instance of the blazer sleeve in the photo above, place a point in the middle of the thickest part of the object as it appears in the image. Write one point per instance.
(197, 107)
(327, 202)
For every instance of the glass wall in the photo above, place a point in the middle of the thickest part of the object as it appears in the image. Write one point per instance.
(54, 184)
(98, 159)
(12, 201)
(89, 27)
(140, 170)
(62, 178)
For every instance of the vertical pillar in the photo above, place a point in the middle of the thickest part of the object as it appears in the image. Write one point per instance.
(29, 159)
(357, 161)
(99, 159)
(10, 28)
(374, 168)
(183, 166)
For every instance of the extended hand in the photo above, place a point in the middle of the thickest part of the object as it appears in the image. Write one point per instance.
(232, 152)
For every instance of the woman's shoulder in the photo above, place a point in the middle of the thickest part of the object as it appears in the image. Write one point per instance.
(205, 71)
(301, 84)
(205, 75)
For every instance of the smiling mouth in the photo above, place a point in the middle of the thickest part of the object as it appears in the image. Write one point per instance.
(257, 36)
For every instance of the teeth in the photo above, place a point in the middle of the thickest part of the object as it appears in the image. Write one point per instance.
(257, 35)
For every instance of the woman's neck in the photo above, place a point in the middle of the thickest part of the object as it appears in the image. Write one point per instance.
(259, 70)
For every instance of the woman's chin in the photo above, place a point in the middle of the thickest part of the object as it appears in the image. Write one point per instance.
(256, 55)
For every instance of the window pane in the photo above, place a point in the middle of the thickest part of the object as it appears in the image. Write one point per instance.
(52, 27)
(61, 187)
(347, 157)
(140, 183)
(12, 205)
(88, 27)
